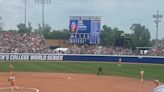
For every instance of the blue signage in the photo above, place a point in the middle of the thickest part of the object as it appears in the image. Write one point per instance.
(84, 29)
(80, 26)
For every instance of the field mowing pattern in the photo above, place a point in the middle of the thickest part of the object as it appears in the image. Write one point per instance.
(127, 70)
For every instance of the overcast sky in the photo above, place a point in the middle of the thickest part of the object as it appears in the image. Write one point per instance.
(114, 13)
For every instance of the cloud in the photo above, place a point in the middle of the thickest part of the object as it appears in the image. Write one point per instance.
(115, 13)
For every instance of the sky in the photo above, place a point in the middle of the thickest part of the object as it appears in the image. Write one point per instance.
(114, 13)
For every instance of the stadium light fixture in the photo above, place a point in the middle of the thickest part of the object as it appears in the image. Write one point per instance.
(1, 24)
(43, 2)
(156, 21)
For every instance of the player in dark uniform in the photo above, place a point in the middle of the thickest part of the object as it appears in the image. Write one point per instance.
(100, 71)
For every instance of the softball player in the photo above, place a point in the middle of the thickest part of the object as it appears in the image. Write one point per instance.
(142, 75)
(156, 81)
(11, 68)
(119, 62)
(12, 82)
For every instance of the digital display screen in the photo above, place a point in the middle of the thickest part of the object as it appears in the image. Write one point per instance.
(84, 29)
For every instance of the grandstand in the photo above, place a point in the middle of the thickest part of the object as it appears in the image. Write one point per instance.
(12, 42)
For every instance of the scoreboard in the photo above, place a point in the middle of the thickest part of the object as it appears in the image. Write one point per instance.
(84, 29)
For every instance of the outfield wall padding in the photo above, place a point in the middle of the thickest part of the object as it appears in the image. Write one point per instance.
(114, 58)
(80, 57)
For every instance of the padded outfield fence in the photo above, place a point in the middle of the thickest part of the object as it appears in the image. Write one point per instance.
(81, 57)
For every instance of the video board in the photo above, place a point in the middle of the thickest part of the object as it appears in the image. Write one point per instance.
(84, 29)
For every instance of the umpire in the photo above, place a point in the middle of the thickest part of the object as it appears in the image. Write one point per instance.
(99, 71)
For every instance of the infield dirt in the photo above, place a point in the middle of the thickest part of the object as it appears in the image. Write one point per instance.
(66, 82)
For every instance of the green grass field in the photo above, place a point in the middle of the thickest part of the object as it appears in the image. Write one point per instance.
(127, 70)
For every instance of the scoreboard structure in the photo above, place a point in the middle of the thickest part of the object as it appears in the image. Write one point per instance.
(84, 29)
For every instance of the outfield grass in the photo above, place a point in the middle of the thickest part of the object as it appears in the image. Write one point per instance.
(127, 70)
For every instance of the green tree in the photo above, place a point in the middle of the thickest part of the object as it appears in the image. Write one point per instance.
(38, 30)
(153, 42)
(119, 37)
(58, 34)
(23, 29)
(112, 37)
(127, 40)
(52, 34)
(107, 36)
(46, 31)
(140, 36)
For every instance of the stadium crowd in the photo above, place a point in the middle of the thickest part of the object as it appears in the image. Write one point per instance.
(156, 51)
(12, 42)
(85, 49)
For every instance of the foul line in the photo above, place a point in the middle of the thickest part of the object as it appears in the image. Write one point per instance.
(37, 90)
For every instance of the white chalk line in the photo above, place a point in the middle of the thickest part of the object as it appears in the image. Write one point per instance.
(37, 90)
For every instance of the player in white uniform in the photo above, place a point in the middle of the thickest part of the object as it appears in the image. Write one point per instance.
(156, 81)
(119, 62)
(142, 75)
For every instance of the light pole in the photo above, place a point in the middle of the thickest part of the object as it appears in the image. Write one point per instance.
(1, 23)
(43, 2)
(25, 12)
(157, 20)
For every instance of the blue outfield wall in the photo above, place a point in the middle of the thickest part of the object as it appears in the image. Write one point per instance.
(114, 58)
(79, 57)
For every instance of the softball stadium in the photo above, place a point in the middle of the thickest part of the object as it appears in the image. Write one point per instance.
(83, 59)
(79, 76)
